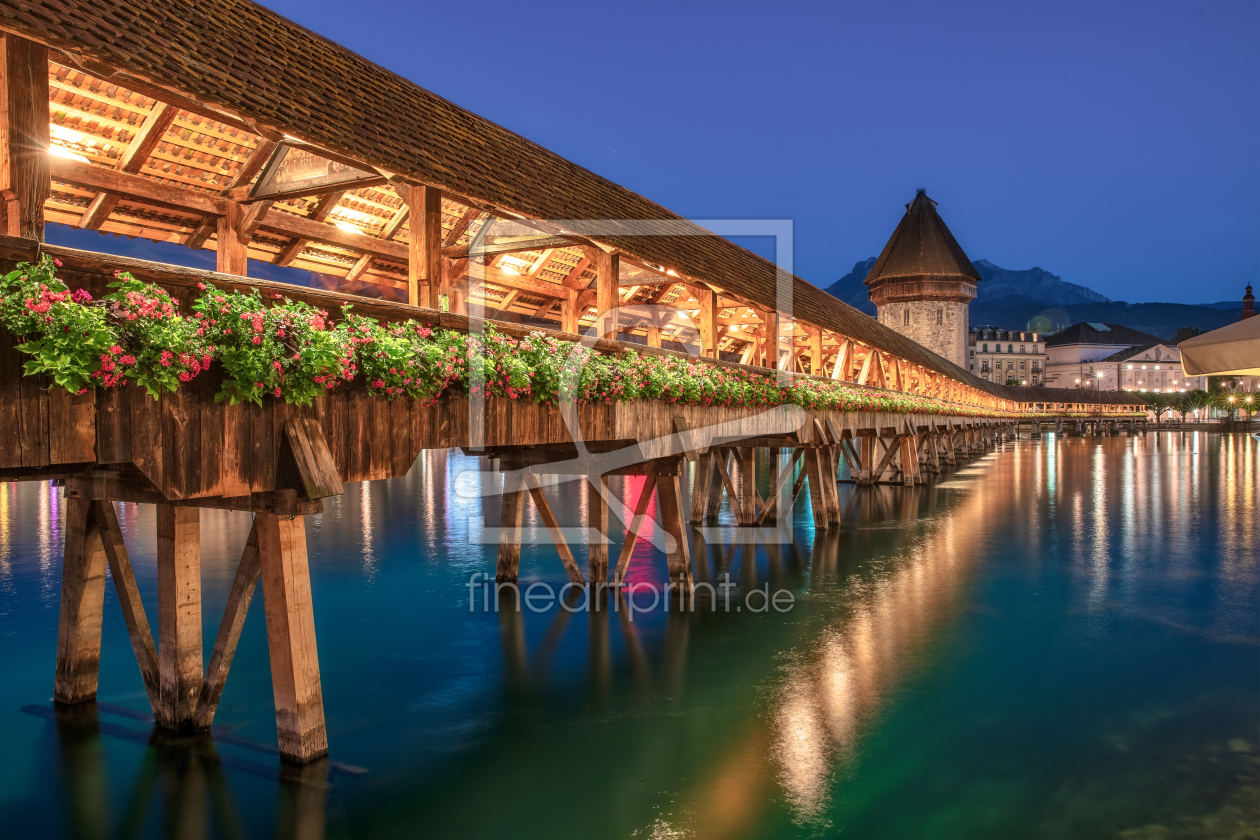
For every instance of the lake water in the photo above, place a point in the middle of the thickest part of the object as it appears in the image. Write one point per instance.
(1059, 640)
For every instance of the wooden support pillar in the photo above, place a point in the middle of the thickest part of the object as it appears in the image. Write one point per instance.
(669, 503)
(701, 487)
(721, 458)
(606, 299)
(232, 254)
(708, 325)
(817, 493)
(653, 330)
(234, 613)
(82, 605)
(25, 168)
(632, 532)
(295, 683)
(129, 601)
(816, 352)
(179, 613)
(598, 524)
(867, 443)
(511, 520)
(569, 313)
(770, 353)
(424, 247)
(747, 484)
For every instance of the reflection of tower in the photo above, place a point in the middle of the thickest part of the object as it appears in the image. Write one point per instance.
(923, 282)
(1249, 303)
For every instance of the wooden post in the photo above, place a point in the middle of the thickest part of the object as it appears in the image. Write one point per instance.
(817, 495)
(179, 613)
(606, 268)
(708, 322)
(424, 246)
(129, 600)
(569, 313)
(700, 487)
(653, 330)
(82, 605)
(25, 168)
(770, 356)
(229, 632)
(669, 503)
(511, 520)
(290, 614)
(232, 254)
(816, 352)
(597, 525)
(747, 484)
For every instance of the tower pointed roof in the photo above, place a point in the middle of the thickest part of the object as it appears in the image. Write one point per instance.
(922, 247)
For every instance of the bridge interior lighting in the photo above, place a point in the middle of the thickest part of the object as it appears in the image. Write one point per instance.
(62, 151)
(507, 269)
(347, 227)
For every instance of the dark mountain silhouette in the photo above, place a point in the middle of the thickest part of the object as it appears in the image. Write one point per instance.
(1035, 298)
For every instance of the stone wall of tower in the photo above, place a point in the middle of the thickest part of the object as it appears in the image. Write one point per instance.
(940, 326)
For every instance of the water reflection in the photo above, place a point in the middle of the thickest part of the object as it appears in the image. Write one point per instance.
(699, 724)
(181, 784)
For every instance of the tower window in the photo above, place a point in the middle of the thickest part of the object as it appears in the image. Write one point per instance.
(940, 315)
(906, 316)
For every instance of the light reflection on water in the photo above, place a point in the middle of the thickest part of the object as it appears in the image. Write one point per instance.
(1058, 640)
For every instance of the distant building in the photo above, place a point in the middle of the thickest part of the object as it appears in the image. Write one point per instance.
(1249, 303)
(922, 283)
(1113, 357)
(1000, 355)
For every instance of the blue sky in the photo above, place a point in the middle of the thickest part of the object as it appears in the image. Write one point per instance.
(1114, 144)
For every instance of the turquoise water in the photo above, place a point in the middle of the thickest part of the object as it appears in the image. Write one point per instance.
(1059, 640)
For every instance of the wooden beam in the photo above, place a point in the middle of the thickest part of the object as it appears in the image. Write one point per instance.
(290, 616)
(424, 247)
(455, 252)
(632, 532)
(707, 322)
(553, 528)
(838, 367)
(461, 225)
(511, 522)
(82, 604)
(815, 351)
(179, 613)
(245, 175)
(232, 250)
(306, 228)
(103, 179)
(24, 157)
(224, 651)
(359, 268)
(322, 209)
(606, 299)
(133, 158)
(129, 600)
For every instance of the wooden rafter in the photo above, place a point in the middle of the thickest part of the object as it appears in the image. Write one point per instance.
(131, 161)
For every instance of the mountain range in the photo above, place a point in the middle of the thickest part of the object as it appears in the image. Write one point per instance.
(1033, 298)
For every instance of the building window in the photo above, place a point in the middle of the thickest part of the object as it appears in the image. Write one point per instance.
(986, 349)
(1010, 348)
(906, 316)
(940, 315)
(1021, 365)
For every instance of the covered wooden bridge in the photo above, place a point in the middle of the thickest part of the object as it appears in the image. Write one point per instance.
(219, 125)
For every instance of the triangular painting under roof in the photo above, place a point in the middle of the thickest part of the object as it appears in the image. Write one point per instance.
(922, 246)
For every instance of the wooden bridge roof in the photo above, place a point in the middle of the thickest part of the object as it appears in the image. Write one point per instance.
(262, 76)
(235, 78)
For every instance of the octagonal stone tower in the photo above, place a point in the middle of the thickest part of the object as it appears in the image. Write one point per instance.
(922, 283)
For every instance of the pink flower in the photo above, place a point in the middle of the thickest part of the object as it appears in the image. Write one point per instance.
(258, 339)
